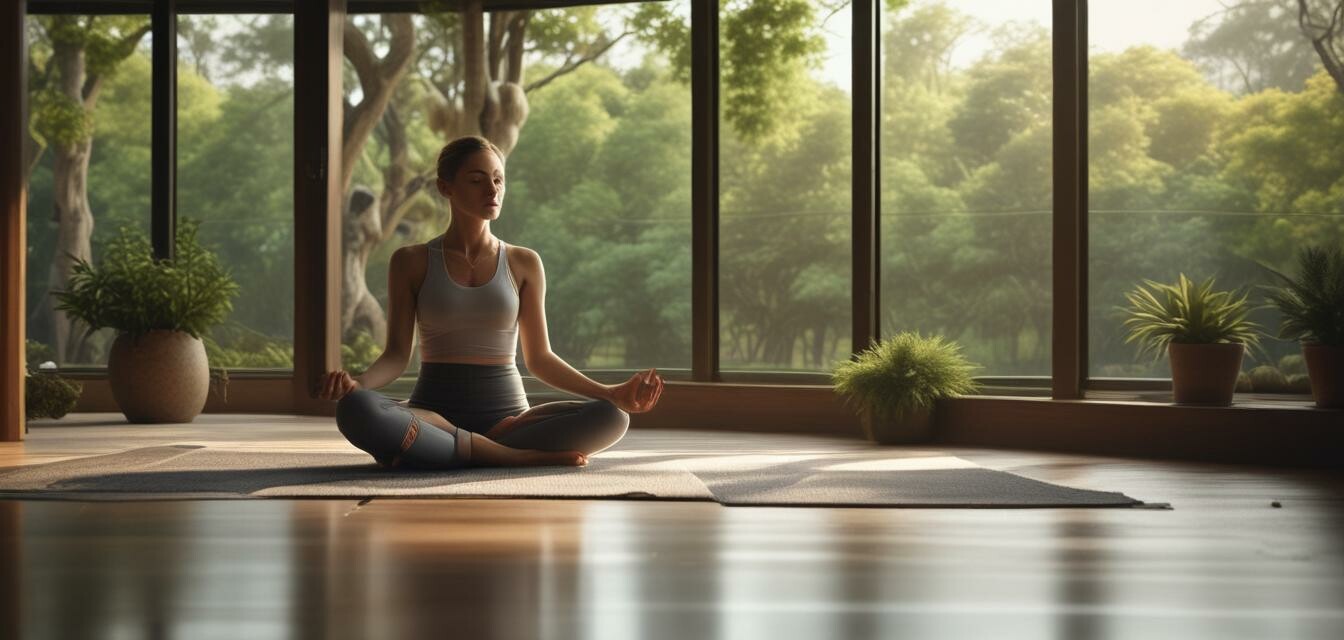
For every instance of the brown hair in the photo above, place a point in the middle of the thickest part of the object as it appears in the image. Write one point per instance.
(455, 154)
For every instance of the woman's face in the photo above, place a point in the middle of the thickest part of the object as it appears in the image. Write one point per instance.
(478, 188)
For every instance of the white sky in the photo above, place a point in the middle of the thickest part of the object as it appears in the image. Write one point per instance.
(1113, 25)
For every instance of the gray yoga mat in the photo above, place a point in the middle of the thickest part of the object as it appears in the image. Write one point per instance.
(877, 477)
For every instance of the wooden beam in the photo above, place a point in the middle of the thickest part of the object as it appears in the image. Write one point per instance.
(163, 136)
(866, 223)
(13, 202)
(317, 196)
(1069, 265)
(704, 190)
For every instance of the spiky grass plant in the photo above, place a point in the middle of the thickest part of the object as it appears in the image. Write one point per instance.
(1313, 303)
(904, 373)
(1187, 313)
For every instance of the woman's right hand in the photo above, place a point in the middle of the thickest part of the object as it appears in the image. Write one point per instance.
(335, 384)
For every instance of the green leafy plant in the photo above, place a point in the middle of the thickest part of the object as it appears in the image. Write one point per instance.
(904, 373)
(35, 353)
(134, 293)
(1313, 302)
(1187, 313)
(47, 395)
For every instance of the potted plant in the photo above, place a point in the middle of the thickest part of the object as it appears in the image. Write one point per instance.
(895, 383)
(1203, 332)
(1313, 313)
(157, 366)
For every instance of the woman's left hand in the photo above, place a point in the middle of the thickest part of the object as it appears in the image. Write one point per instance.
(639, 393)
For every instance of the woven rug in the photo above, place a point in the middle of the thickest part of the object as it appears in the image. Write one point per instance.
(875, 476)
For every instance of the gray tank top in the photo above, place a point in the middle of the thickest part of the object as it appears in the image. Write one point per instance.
(459, 322)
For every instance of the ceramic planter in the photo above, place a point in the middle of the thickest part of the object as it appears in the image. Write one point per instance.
(161, 376)
(915, 427)
(1325, 367)
(1204, 373)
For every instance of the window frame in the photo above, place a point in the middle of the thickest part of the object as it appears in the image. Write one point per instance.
(1068, 379)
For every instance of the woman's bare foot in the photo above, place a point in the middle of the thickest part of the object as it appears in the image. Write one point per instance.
(488, 453)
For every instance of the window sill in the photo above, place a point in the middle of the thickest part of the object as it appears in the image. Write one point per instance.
(1253, 430)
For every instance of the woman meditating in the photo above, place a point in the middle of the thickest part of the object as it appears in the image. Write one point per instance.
(473, 296)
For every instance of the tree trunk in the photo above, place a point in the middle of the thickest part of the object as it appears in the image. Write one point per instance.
(74, 221)
(361, 230)
(70, 199)
(1323, 31)
(494, 103)
(378, 79)
(362, 224)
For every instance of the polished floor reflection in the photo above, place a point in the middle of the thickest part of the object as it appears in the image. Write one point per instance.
(1223, 563)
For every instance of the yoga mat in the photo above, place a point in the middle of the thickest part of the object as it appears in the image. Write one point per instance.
(870, 477)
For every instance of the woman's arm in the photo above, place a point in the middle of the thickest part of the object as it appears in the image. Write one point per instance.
(638, 394)
(400, 321)
(532, 333)
(554, 371)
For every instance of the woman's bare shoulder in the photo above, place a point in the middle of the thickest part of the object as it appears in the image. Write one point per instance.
(523, 252)
(411, 262)
(524, 263)
(412, 254)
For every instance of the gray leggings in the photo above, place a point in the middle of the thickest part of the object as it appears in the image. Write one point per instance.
(472, 398)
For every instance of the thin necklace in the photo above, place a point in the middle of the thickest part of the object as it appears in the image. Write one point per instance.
(470, 262)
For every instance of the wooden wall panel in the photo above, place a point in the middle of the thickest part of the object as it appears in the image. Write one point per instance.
(317, 196)
(13, 230)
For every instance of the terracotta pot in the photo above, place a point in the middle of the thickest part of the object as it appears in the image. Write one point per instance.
(162, 376)
(915, 427)
(1325, 367)
(1204, 373)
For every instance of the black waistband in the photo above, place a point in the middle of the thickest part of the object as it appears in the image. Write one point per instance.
(457, 369)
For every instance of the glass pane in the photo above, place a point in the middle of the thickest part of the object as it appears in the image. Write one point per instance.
(784, 188)
(1214, 147)
(235, 155)
(88, 164)
(598, 179)
(966, 179)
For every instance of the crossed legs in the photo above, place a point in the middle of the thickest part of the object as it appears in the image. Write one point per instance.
(402, 437)
(589, 426)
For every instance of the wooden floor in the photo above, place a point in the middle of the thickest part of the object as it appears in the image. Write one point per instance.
(1222, 563)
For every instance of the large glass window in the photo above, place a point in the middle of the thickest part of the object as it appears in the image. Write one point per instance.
(596, 128)
(87, 164)
(784, 186)
(966, 184)
(235, 153)
(1214, 137)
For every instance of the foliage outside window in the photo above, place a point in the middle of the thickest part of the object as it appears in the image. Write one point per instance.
(1210, 155)
(966, 184)
(235, 156)
(785, 187)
